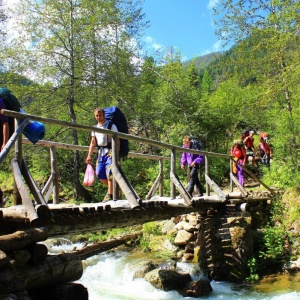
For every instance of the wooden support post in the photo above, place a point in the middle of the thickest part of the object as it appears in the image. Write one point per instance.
(13, 139)
(173, 173)
(17, 139)
(175, 182)
(48, 188)
(207, 174)
(154, 187)
(161, 184)
(32, 214)
(182, 191)
(235, 180)
(54, 171)
(158, 183)
(216, 188)
(34, 189)
(120, 177)
(231, 183)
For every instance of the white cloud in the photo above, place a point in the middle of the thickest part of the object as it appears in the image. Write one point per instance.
(216, 47)
(212, 3)
(151, 42)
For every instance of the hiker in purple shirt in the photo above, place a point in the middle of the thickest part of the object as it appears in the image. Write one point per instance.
(193, 161)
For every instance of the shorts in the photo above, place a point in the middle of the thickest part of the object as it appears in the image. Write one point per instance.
(103, 167)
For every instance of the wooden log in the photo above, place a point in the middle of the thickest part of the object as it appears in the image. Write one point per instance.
(44, 212)
(21, 257)
(55, 269)
(21, 239)
(235, 195)
(15, 213)
(38, 252)
(104, 246)
(4, 260)
(32, 215)
(61, 291)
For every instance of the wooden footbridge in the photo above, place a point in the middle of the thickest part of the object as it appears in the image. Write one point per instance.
(37, 214)
(130, 209)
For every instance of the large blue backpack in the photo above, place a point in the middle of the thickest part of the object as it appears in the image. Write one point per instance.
(115, 116)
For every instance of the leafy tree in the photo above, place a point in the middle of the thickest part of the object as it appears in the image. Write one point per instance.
(81, 53)
(267, 33)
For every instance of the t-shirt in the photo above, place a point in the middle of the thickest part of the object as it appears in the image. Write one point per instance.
(103, 139)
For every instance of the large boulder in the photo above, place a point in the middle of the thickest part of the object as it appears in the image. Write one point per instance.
(167, 280)
(196, 289)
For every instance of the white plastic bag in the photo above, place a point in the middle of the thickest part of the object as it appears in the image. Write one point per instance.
(89, 176)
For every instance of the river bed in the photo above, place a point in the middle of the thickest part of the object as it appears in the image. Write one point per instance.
(109, 276)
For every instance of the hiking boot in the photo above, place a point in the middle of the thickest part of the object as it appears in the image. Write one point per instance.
(107, 198)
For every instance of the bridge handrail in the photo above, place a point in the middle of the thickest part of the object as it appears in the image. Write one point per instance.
(159, 144)
(66, 146)
(109, 132)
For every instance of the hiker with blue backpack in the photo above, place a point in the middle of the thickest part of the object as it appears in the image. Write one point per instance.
(193, 162)
(103, 143)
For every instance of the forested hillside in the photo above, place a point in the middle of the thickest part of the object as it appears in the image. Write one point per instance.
(77, 61)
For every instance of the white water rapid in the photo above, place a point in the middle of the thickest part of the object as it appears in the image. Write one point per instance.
(109, 276)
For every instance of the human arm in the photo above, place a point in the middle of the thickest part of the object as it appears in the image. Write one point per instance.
(244, 156)
(183, 160)
(197, 159)
(91, 149)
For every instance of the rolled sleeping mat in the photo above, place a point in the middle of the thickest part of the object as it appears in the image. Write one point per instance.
(34, 131)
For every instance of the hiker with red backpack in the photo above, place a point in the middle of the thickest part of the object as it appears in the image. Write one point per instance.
(239, 154)
(250, 149)
(103, 143)
(265, 150)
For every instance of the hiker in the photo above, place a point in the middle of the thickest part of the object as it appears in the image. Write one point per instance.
(239, 154)
(4, 134)
(250, 149)
(104, 160)
(265, 151)
(193, 161)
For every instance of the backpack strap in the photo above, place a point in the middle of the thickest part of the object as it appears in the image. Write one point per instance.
(109, 126)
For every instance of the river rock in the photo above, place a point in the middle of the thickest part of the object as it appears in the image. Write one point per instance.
(182, 238)
(189, 227)
(196, 289)
(169, 246)
(170, 264)
(193, 219)
(167, 226)
(167, 280)
(143, 269)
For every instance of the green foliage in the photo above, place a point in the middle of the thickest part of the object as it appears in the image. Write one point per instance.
(150, 230)
(273, 249)
(253, 269)
(270, 251)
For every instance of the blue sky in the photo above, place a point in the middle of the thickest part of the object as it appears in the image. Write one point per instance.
(186, 25)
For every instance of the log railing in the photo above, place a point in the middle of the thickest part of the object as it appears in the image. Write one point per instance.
(42, 197)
